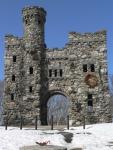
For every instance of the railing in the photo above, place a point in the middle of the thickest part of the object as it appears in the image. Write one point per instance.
(36, 123)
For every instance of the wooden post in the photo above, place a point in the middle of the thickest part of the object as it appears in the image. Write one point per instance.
(6, 124)
(68, 122)
(36, 119)
(84, 123)
(21, 123)
(52, 122)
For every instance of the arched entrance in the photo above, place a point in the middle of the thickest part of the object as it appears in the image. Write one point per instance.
(57, 105)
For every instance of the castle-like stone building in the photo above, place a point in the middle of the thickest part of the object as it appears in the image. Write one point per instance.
(33, 73)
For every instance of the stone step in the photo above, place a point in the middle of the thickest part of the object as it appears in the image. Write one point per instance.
(47, 147)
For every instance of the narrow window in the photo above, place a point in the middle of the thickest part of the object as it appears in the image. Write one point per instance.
(12, 96)
(31, 70)
(30, 89)
(89, 96)
(92, 67)
(14, 58)
(50, 72)
(84, 67)
(13, 77)
(90, 103)
(61, 72)
(55, 73)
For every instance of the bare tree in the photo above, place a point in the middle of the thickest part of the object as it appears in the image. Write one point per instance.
(58, 107)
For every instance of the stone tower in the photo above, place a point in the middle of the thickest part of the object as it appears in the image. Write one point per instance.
(35, 57)
(34, 73)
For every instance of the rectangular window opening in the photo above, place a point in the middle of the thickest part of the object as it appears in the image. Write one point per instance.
(30, 89)
(31, 70)
(13, 77)
(84, 67)
(92, 67)
(55, 73)
(14, 58)
(61, 73)
(89, 96)
(90, 103)
(12, 96)
(50, 72)
(90, 106)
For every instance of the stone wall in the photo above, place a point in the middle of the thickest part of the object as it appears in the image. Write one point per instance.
(88, 48)
(78, 71)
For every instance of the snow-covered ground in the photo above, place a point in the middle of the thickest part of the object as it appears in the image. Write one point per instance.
(94, 137)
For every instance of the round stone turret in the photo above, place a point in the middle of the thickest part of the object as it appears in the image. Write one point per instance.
(34, 19)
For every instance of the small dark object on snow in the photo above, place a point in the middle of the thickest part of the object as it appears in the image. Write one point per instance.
(43, 143)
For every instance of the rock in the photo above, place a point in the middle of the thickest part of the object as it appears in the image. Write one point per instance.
(68, 136)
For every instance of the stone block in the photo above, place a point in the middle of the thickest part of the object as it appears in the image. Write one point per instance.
(47, 147)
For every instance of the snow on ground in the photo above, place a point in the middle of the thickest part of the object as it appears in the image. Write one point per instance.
(94, 137)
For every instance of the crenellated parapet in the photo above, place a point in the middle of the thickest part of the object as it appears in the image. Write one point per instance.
(33, 9)
(11, 40)
(32, 14)
(87, 37)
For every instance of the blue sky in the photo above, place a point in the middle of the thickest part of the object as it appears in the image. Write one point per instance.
(63, 16)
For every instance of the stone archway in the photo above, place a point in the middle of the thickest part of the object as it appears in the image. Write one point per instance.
(57, 104)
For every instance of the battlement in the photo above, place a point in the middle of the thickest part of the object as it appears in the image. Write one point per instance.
(85, 37)
(33, 10)
(33, 7)
(12, 40)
